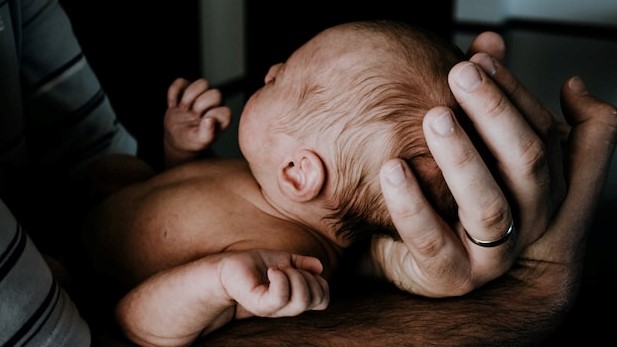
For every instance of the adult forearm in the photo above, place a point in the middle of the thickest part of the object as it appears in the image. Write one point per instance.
(506, 312)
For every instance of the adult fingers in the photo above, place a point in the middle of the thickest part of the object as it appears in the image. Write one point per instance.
(431, 248)
(517, 156)
(592, 144)
(484, 210)
(538, 116)
(488, 42)
(550, 128)
(488, 52)
(500, 127)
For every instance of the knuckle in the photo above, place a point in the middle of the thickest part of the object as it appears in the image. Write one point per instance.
(405, 211)
(533, 158)
(454, 287)
(496, 107)
(429, 245)
(410, 211)
(608, 113)
(444, 279)
(548, 121)
(512, 86)
(495, 214)
(465, 156)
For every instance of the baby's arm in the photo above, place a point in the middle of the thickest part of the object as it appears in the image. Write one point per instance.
(194, 118)
(176, 306)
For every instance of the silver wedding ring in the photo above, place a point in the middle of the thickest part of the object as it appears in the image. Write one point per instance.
(493, 243)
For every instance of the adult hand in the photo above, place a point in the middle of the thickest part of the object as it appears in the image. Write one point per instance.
(524, 139)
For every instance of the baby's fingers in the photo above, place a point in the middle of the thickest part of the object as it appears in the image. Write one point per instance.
(192, 93)
(320, 291)
(220, 115)
(310, 264)
(175, 90)
(207, 100)
(292, 292)
(279, 290)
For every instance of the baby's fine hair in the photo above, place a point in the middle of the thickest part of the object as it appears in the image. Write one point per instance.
(374, 109)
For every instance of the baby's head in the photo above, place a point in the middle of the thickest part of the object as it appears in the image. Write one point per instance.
(345, 102)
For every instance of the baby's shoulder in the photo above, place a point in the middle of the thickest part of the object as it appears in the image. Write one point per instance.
(209, 168)
(294, 238)
(259, 230)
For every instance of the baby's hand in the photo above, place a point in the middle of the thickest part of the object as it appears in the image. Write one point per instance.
(193, 120)
(274, 284)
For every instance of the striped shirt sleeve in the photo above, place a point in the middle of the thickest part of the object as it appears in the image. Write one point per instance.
(35, 311)
(70, 120)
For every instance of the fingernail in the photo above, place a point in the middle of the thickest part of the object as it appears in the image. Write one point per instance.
(443, 124)
(488, 63)
(395, 174)
(578, 86)
(468, 77)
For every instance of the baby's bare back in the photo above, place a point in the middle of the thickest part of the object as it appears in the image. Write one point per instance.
(186, 213)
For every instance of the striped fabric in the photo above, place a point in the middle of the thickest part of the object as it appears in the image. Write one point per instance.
(34, 310)
(67, 117)
(52, 110)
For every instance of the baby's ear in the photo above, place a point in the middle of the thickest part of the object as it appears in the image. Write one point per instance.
(302, 178)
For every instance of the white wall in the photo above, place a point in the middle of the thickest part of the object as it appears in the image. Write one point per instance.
(223, 54)
(222, 39)
(601, 12)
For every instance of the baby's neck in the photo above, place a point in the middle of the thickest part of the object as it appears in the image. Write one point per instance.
(308, 215)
